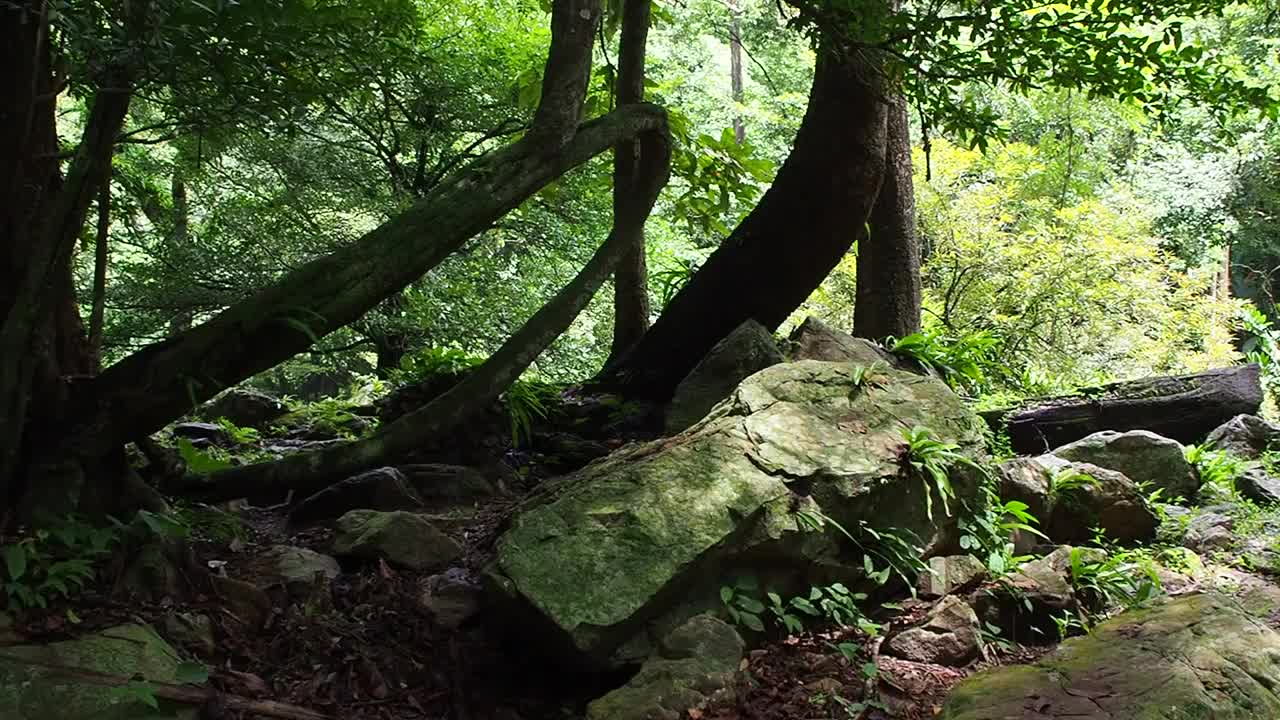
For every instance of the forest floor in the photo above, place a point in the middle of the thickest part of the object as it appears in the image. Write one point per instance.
(363, 645)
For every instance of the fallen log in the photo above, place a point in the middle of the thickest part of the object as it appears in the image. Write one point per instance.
(1184, 408)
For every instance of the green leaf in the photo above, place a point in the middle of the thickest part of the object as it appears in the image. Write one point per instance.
(15, 560)
(752, 621)
(191, 673)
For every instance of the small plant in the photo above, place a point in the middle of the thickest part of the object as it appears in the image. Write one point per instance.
(987, 534)
(526, 401)
(932, 459)
(898, 550)
(862, 375)
(432, 362)
(54, 562)
(1122, 578)
(239, 435)
(1217, 468)
(1066, 484)
(963, 361)
(329, 415)
(743, 607)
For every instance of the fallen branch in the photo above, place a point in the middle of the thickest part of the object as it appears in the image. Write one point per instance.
(180, 693)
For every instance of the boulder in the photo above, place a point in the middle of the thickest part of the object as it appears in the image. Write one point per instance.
(381, 489)
(1210, 530)
(244, 408)
(451, 597)
(32, 689)
(1244, 436)
(298, 567)
(1025, 603)
(693, 662)
(440, 485)
(948, 574)
(949, 635)
(746, 350)
(1029, 480)
(815, 340)
(653, 531)
(400, 538)
(1111, 502)
(202, 434)
(1194, 657)
(1257, 485)
(1144, 457)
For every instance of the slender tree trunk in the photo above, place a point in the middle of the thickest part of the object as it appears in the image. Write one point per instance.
(631, 280)
(97, 312)
(735, 71)
(311, 472)
(888, 284)
(820, 199)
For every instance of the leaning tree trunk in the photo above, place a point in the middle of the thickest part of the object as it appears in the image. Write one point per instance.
(818, 203)
(631, 279)
(311, 472)
(1185, 408)
(888, 283)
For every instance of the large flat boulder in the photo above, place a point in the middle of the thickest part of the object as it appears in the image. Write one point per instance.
(34, 684)
(1142, 456)
(634, 541)
(1196, 657)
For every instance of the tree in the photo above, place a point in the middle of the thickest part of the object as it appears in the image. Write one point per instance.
(781, 252)
(94, 416)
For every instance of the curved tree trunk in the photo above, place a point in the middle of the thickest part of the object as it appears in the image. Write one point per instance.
(631, 280)
(311, 472)
(888, 285)
(819, 202)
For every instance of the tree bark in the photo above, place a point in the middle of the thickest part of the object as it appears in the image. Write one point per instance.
(1184, 408)
(888, 273)
(97, 312)
(631, 279)
(311, 472)
(819, 201)
(735, 72)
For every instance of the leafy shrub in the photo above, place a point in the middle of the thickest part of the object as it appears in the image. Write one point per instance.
(431, 362)
(1217, 468)
(963, 360)
(54, 562)
(932, 460)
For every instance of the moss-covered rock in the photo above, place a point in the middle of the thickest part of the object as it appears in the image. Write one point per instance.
(695, 661)
(401, 538)
(630, 538)
(1197, 657)
(30, 689)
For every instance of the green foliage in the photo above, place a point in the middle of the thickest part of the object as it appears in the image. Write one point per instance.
(331, 416)
(1262, 345)
(963, 360)
(54, 562)
(987, 533)
(932, 460)
(1217, 468)
(1066, 482)
(886, 552)
(834, 604)
(239, 435)
(433, 362)
(1124, 579)
(527, 401)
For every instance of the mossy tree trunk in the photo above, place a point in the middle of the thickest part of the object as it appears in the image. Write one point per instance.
(84, 420)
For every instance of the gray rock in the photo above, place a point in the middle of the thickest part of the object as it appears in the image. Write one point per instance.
(949, 635)
(202, 433)
(948, 574)
(815, 340)
(297, 566)
(244, 408)
(1112, 502)
(748, 349)
(659, 527)
(400, 538)
(442, 485)
(1258, 486)
(31, 690)
(1244, 436)
(191, 630)
(1194, 657)
(1025, 603)
(1028, 480)
(1210, 530)
(693, 662)
(1142, 456)
(451, 597)
(381, 489)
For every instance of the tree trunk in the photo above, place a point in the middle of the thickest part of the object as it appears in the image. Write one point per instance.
(311, 472)
(786, 246)
(1184, 408)
(97, 312)
(888, 284)
(631, 279)
(735, 72)
(43, 346)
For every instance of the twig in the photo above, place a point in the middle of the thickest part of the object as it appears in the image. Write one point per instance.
(181, 693)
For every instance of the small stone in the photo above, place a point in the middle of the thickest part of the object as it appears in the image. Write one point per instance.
(452, 597)
(948, 574)
(1244, 436)
(401, 538)
(949, 635)
(301, 566)
(1211, 530)
(244, 408)
(1257, 485)
(207, 433)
